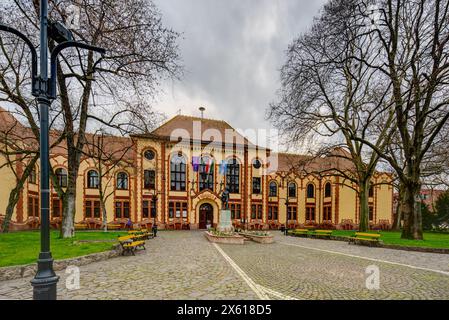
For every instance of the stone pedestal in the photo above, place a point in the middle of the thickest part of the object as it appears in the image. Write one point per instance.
(225, 224)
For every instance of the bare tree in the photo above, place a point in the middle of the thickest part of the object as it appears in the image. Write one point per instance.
(141, 53)
(110, 154)
(328, 94)
(413, 39)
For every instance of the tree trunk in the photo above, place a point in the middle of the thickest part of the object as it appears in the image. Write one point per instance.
(399, 208)
(412, 228)
(13, 199)
(68, 213)
(364, 207)
(14, 195)
(105, 215)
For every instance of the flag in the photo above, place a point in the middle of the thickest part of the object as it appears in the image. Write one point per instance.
(196, 163)
(223, 167)
(209, 166)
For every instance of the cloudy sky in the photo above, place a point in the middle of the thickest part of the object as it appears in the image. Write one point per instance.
(232, 51)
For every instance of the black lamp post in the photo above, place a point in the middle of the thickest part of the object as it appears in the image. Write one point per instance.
(44, 89)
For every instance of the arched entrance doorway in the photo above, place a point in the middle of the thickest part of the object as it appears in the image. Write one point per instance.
(206, 215)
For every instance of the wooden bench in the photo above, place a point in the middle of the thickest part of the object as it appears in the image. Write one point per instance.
(114, 226)
(81, 226)
(300, 232)
(142, 234)
(372, 238)
(130, 243)
(322, 234)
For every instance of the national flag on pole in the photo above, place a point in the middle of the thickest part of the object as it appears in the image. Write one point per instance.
(196, 164)
(223, 167)
(209, 165)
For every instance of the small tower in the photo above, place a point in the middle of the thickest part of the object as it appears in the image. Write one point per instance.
(202, 109)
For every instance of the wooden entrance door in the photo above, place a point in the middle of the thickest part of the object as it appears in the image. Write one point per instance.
(206, 215)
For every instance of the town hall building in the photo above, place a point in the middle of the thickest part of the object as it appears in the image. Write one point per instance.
(175, 175)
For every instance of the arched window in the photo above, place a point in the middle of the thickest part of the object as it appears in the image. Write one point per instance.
(233, 176)
(310, 191)
(292, 190)
(122, 181)
(327, 190)
(32, 178)
(206, 173)
(178, 173)
(61, 177)
(92, 179)
(273, 189)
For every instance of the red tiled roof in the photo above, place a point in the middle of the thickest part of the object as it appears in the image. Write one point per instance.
(195, 128)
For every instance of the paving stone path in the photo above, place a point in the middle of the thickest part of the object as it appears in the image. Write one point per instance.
(184, 265)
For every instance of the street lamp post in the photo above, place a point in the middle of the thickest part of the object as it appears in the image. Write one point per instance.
(44, 89)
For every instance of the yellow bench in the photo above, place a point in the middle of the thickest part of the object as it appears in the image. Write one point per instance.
(322, 233)
(130, 244)
(300, 232)
(372, 238)
(80, 226)
(114, 226)
(143, 234)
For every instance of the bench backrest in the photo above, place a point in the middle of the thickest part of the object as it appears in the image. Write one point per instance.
(125, 238)
(323, 231)
(367, 235)
(301, 230)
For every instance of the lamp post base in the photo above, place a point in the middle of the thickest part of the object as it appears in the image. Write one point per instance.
(45, 281)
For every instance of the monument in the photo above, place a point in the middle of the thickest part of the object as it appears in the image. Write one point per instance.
(225, 223)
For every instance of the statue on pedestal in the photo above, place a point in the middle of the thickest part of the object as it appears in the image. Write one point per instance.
(225, 223)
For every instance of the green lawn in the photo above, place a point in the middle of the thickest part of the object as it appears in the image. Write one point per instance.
(431, 239)
(23, 247)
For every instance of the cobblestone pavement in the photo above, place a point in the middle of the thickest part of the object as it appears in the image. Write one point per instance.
(175, 265)
(183, 265)
(289, 268)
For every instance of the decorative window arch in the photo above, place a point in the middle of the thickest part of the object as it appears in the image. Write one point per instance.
(122, 181)
(292, 190)
(32, 178)
(273, 189)
(61, 177)
(206, 173)
(93, 180)
(178, 170)
(233, 175)
(327, 190)
(310, 191)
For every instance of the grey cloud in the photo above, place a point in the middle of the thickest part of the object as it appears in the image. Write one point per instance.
(232, 51)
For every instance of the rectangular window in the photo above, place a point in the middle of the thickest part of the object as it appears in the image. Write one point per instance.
(256, 211)
(327, 213)
(149, 179)
(256, 185)
(178, 175)
(233, 176)
(56, 208)
(33, 207)
(310, 213)
(92, 209)
(371, 213)
(145, 209)
(122, 210)
(272, 212)
(292, 212)
(235, 210)
(177, 209)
